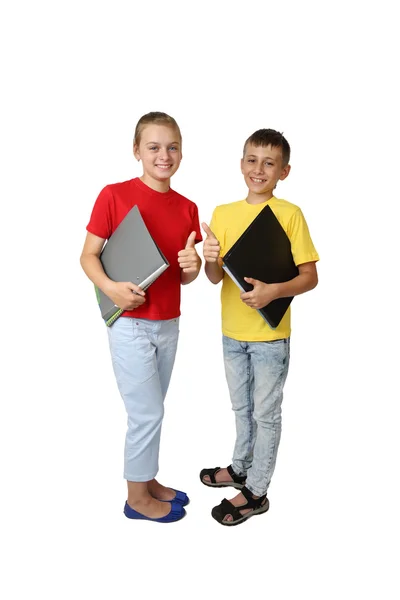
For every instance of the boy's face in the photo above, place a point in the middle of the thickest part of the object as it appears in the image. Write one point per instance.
(262, 168)
(160, 152)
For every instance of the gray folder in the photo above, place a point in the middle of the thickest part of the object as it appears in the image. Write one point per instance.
(130, 254)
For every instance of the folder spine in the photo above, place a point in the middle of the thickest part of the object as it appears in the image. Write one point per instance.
(114, 317)
(243, 285)
(109, 319)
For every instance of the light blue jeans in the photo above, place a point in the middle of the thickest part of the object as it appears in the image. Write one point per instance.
(256, 373)
(143, 355)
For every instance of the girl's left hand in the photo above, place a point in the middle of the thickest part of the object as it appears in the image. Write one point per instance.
(188, 259)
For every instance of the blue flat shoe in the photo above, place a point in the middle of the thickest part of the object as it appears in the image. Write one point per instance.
(177, 512)
(180, 498)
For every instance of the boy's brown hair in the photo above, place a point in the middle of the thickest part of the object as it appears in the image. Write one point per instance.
(270, 137)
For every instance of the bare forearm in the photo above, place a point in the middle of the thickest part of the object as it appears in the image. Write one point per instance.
(191, 276)
(214, 271)
(94, 270)
(304, 282)
(188, 277)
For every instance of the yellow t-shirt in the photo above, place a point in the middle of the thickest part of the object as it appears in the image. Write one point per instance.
(228, 222)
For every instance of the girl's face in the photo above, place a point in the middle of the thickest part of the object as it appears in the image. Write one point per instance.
(160, 152)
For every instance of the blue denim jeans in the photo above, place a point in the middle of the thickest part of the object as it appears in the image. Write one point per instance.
(143, 355)
(256, 373)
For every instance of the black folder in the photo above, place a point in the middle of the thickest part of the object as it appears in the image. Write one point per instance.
(263, 252)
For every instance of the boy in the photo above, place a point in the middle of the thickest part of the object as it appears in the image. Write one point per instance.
(256, 357)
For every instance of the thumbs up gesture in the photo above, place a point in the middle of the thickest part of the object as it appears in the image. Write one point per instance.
(188, 259)
(211, 247)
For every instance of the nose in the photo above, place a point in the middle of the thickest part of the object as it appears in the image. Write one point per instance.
(258, 169)
(163, 154)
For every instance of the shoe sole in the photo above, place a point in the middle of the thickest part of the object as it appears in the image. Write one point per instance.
(155, 521)
(150, 520)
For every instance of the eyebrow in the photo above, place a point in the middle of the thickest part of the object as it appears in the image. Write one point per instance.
(254, 156)
(169, 144)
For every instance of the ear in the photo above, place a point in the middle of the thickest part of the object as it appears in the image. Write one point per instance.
(241, 164)
(285, 172)
(136, 153)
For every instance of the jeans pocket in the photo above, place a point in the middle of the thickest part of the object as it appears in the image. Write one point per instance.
(132, 352)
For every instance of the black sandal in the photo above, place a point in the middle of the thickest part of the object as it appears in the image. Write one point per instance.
(258, 505)
(237, 482)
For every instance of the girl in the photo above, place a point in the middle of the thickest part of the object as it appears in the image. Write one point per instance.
(144, 339)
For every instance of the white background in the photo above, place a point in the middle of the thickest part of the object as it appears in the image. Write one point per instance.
(76, 77)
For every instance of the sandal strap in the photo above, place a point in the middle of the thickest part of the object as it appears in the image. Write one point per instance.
(228, 509)
(252, 502)
(235, 478)
(211, 473)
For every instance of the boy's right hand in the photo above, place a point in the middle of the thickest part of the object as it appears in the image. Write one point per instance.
(126, 295)
(211, 247)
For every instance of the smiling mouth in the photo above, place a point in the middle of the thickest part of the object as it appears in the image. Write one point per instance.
(257, 180)
(164, 167)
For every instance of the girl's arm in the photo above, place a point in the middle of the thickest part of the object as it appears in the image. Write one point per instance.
(124, 294)
(189, 261)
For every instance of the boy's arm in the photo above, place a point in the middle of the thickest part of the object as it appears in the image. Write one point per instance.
(264, 293)
(119, 292)
(214, 271)
(211, 250)
(306, 280)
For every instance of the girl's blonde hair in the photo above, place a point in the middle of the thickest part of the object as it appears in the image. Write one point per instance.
(154, 118)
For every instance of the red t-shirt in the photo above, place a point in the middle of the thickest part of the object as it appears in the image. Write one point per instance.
(170, 219)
